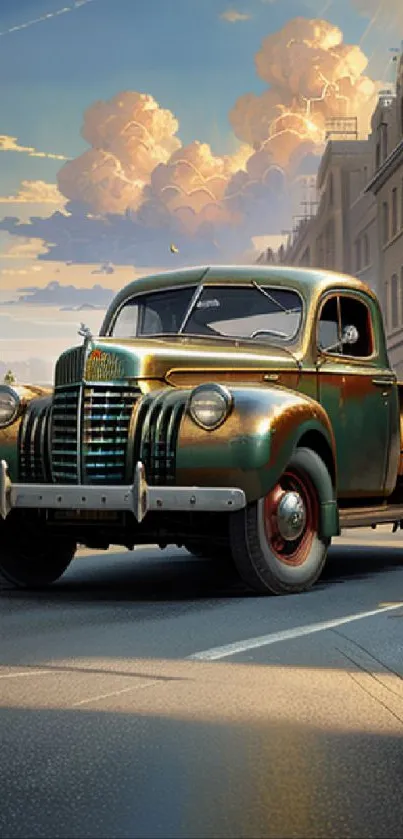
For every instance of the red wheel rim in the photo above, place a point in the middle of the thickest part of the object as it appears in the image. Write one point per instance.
(296, 551)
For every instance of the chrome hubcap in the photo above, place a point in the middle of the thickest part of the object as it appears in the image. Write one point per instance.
(291, 516)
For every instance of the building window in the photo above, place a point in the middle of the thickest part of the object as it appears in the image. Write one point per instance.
(401, 205)
(394, 211)
(358, 255)
(378, 156)
(385, 222)
(394, 302)
(367, 255)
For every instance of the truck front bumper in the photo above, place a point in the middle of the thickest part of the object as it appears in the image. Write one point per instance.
(139, 498)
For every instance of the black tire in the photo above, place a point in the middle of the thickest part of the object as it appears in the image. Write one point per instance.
(32, 559)
(267, 562)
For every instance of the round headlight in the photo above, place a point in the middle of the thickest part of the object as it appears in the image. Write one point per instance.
(209, 406)
(9, 405)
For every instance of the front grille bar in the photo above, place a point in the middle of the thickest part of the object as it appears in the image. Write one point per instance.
(90, 430)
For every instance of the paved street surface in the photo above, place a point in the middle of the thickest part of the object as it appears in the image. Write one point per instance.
(146, 696)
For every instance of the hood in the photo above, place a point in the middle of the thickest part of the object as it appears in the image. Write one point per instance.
(183, 360)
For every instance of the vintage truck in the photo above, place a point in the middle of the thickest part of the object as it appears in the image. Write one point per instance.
(246, 413)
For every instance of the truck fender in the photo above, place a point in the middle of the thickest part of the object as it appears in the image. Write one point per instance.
(33, 402)
(252, 448)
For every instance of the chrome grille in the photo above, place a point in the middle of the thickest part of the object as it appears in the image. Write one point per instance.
(65, 434)
(157, 428)
(33, 441)
(105, 431)
(70, 366)
(90, 430)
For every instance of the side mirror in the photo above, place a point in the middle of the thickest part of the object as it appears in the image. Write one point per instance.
(350, 335)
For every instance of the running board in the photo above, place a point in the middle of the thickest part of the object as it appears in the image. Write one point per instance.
(366, 516)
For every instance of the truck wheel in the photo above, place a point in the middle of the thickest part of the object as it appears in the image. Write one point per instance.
(275, 541)
(34, 561)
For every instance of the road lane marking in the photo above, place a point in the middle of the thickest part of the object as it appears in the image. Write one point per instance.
(113, 693)
(285, 635)
(25, 673)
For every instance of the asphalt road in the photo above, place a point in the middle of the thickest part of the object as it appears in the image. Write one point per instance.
(146, 695)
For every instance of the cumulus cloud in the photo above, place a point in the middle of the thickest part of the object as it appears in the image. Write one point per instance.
(129, 136)
(232, 16)
(8, 143)
(312, 75)
(137, 188)
(35, 192)
(191, 188)
(145, 237)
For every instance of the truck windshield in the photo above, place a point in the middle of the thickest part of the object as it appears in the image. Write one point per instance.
(233, 312)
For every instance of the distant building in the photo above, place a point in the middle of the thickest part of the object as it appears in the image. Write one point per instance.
(386, 188)
(324, 241)
(358, 226)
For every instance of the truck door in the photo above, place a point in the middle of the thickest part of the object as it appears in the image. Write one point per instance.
(358, 395)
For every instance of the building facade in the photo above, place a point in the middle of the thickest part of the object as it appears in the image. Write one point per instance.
(386, 186)
(358, 226)
(325, 240)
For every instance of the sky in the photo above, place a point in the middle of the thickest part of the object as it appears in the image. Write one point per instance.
(129, 125)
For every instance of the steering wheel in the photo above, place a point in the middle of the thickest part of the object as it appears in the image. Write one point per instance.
(268, 332)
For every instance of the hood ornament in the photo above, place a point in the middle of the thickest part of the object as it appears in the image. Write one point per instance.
(85, 332)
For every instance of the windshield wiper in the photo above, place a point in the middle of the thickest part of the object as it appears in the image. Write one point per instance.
(193, 302)
(286, 312)
(273, 300)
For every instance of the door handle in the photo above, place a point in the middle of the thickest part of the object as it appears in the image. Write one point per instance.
(383, 381)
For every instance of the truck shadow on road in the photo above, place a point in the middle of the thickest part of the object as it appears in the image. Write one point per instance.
(357, 562)
(173, 575)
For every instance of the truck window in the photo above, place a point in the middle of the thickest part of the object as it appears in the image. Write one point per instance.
(338, 313)
(329, 327)
(354, 312)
